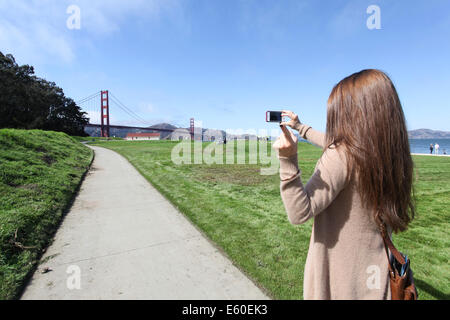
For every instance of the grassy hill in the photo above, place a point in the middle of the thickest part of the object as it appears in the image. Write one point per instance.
(40, 172)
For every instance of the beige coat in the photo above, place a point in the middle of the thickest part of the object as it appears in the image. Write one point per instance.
(346, 257)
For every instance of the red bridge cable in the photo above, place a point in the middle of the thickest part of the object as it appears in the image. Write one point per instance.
(129, 113)
(127, 110)
(92, 96)
(125, 107)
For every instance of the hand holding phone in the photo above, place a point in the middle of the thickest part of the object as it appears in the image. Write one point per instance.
(293, 122)
(277, 116)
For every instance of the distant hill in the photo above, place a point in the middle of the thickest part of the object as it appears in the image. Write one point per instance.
(428, 134)
(163, 126)
(163, 134)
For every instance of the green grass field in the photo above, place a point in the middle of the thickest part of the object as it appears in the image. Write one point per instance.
(39, 175)
(242, 212)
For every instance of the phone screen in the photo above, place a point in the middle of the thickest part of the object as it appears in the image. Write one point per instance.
(273, 116)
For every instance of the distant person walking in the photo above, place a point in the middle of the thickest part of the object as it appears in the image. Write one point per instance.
(436, 148)
(431, 148)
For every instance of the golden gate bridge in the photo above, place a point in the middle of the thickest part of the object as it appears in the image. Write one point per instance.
(99, 105)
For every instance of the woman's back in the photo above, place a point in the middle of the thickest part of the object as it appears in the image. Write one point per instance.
(346, 258)
(365, 173)
(347, 248)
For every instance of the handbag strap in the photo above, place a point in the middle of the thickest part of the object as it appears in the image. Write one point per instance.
(388, 243)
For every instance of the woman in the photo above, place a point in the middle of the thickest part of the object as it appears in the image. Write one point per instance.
(363, 178)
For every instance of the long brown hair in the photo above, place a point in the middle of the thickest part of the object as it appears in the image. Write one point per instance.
(365, 117)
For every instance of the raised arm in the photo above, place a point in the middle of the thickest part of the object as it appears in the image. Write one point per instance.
(310, 134)
(304, 202)
(305, 131)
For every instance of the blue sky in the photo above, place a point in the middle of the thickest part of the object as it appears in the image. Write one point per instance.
(227, 62)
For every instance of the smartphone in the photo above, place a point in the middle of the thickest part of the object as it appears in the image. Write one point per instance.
(273, 116)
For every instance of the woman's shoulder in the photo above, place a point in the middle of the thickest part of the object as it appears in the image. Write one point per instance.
(336, 154)
(334, 162)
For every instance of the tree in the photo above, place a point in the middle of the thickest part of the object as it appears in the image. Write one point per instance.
(30, 102)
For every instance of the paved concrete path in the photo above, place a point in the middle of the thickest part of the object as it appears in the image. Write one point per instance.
(128, 242)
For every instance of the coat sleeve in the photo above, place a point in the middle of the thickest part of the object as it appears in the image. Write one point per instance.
(313, 136)
(304, 202)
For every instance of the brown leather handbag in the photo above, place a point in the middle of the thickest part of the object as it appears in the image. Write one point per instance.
(402, 283)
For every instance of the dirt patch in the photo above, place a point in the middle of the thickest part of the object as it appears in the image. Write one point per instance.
(48, 159)
(31, 186)
(36, 189)
(235, 174)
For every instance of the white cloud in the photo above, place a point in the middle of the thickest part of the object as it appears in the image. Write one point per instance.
(94, 116)
(35, 31)
(350, 20)
(28, 30)
(269, 18)
(147, 107)
(107, 16)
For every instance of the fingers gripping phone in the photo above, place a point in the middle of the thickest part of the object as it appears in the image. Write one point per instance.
(273, 116)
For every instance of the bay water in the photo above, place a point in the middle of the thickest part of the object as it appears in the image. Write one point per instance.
(423, 145)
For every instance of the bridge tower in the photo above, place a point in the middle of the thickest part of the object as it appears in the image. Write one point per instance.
(104, 113)
(192, 128)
